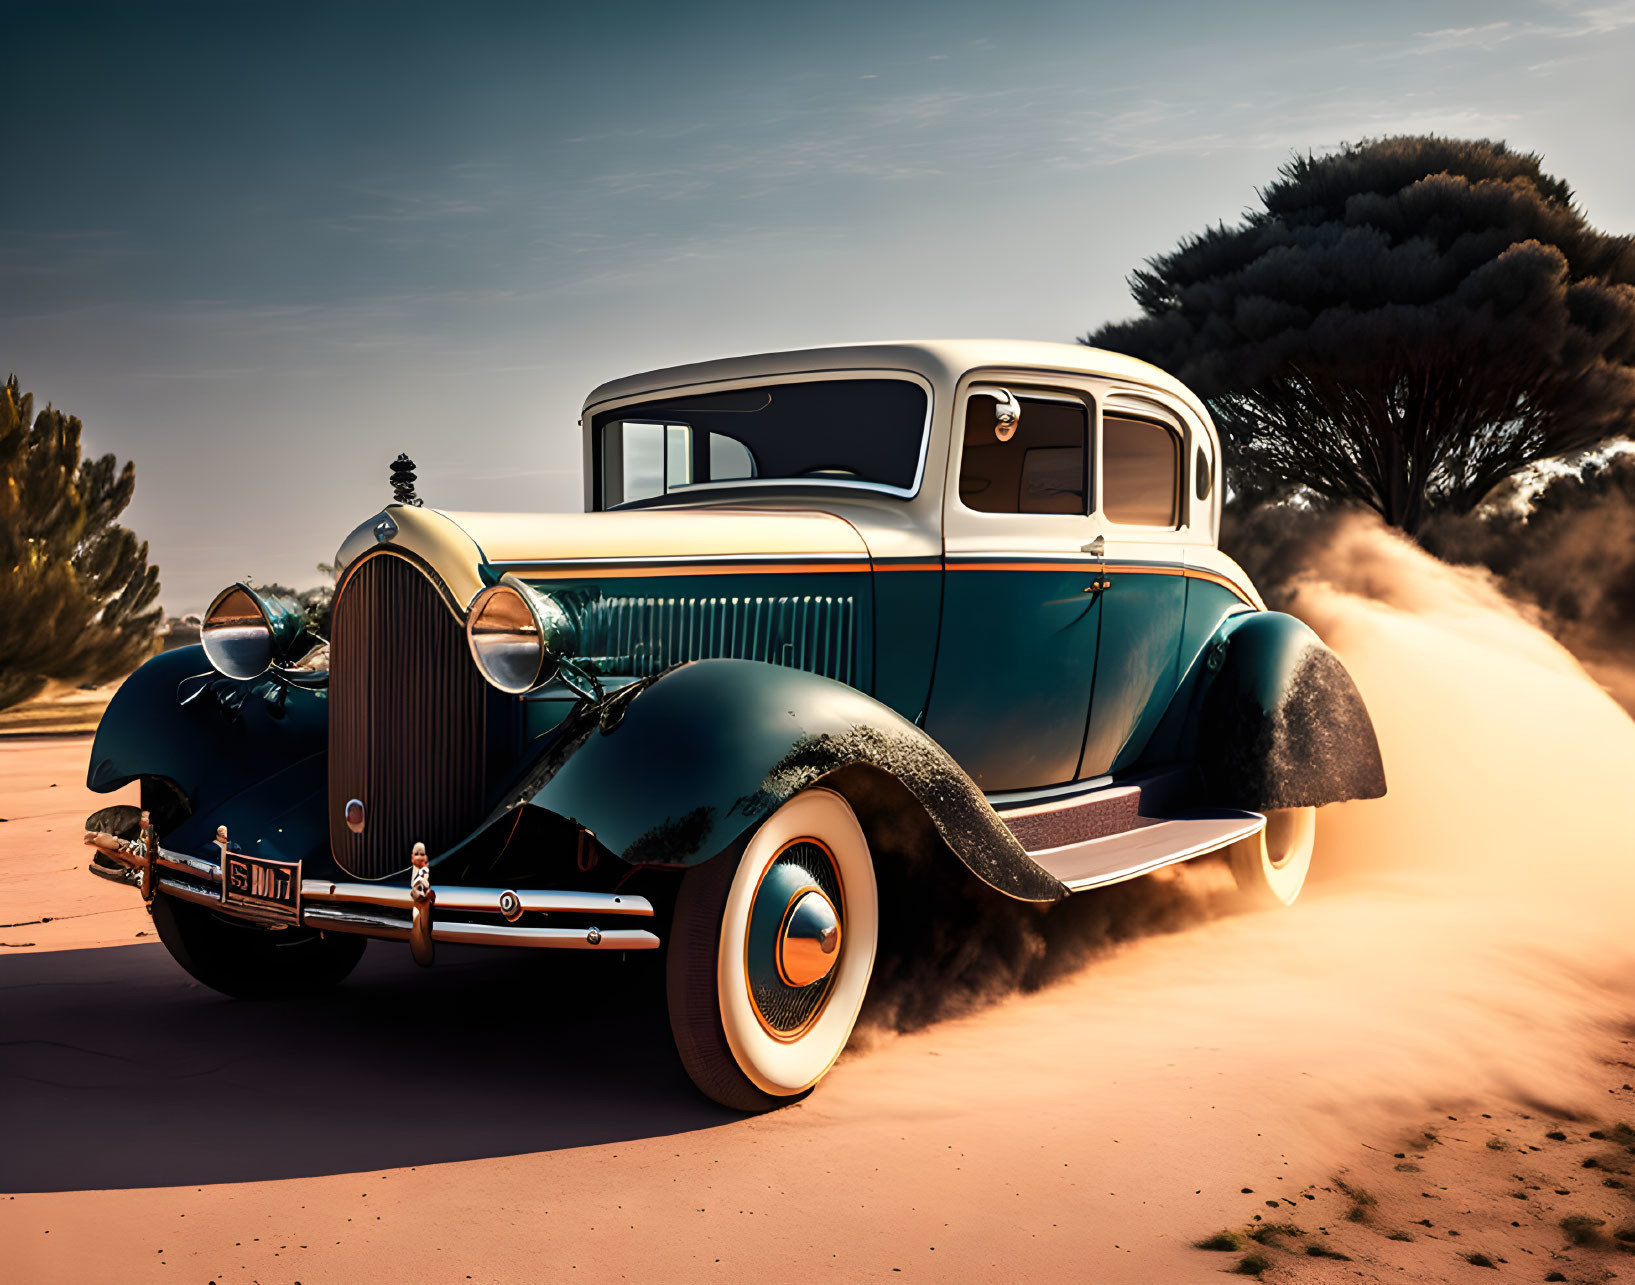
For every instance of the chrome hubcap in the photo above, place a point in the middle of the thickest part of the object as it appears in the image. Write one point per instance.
(810, 942)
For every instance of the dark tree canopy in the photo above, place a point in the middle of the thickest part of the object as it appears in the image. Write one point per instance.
(76, 591)
(1404, 324)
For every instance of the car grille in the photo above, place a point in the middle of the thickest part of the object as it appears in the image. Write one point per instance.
(407, 720)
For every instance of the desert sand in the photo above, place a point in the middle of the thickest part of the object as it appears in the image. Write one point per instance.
(1377, 1073)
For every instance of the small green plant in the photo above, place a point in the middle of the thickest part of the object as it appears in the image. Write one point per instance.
(1252, 1265)
(1267, 1233)
(1399, 1235)
(1481, 1260)
(1497, 1144)
(1582, 1229)
(1323, 1251)
(1622, 1134)
(1224, 1241)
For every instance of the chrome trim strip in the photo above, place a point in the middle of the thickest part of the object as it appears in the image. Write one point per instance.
(190, 891)
(682, 560)
(560, 938)
(199, 867)
(481, 900)
(348, 921)
(999, 800)
(1071, 801)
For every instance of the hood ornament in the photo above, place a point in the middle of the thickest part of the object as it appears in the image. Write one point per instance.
(403, 481)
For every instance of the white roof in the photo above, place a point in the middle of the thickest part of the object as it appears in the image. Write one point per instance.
(939, 360)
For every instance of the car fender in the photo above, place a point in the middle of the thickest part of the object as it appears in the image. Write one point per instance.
(1281, 724)
(212, 737)
(675, 769)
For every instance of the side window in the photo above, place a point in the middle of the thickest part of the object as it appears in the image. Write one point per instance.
(730, 460)
(642, 459)
(1042, 468)
(1141, 472)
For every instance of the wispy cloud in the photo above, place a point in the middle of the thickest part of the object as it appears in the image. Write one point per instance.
(1572, 22)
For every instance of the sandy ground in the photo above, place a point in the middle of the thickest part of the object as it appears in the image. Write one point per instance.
(58, 710)
(1380, 1069)
(47, 901)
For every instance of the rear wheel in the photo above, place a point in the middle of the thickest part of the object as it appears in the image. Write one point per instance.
(1271, 867)
(770, 955)
(248, 962)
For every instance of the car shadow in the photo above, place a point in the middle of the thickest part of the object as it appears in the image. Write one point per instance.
(118, 1070)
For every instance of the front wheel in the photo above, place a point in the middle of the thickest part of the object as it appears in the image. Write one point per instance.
(1271, 867)
(770, 955)
(248, 962)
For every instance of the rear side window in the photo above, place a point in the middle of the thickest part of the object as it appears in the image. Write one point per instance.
(1041, 469)
(1141, 471)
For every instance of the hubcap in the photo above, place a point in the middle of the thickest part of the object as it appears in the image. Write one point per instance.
(794, 940)
(811, 939)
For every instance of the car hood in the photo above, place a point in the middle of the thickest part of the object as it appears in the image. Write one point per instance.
(468, 551)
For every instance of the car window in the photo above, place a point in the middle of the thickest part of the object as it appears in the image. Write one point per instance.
(1040, 469)
(805, 432)
(1140, 471)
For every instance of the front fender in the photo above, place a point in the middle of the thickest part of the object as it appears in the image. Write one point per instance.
(213, 737)
(1282, 725)
(672, 771)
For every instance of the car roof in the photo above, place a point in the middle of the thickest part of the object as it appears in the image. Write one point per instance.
(935, 359)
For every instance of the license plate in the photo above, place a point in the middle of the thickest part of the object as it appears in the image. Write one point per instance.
(263, 889)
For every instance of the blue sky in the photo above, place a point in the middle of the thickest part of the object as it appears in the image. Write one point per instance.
(262, 248)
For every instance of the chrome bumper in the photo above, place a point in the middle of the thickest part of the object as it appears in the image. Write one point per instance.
(368, 909)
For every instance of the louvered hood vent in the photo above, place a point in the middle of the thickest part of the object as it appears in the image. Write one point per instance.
(641, 636)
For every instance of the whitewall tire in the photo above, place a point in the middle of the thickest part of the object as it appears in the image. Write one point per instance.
(1271, 867)
(771, 954)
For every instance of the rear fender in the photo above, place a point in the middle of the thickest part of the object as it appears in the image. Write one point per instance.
(673, 770)
(1281, 723)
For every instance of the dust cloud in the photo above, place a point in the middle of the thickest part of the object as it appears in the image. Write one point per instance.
(1470, 932)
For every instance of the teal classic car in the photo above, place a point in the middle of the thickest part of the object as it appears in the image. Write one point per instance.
(825, 610)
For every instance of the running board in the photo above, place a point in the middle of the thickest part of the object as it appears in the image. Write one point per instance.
(1096, 863)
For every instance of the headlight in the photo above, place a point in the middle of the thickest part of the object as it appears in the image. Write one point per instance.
(244, 632)
(518, 636)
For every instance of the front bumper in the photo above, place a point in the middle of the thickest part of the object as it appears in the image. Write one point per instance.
(454, 914)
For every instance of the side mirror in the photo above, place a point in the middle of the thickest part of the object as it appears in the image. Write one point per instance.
(1007, 414)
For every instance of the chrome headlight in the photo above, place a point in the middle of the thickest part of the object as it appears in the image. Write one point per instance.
(518, 636)
(244, 631)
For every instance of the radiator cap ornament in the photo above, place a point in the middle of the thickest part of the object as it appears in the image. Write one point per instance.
(403, 481)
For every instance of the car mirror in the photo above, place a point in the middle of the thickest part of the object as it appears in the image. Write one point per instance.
(1007, 413)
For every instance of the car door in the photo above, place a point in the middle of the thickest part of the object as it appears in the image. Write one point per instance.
(1016, 655)
(1141, 515)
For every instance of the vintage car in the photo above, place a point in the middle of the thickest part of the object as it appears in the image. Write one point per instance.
(823, 606)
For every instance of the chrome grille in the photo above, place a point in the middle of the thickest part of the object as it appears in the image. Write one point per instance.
(407, 720)
(640, 636)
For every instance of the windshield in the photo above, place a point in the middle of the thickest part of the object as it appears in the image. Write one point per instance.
(813, 432)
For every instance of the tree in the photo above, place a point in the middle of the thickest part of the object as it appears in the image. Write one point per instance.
(76, 591)
(1404, 324)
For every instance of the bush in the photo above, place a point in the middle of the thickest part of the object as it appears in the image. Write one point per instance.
(76, 591)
